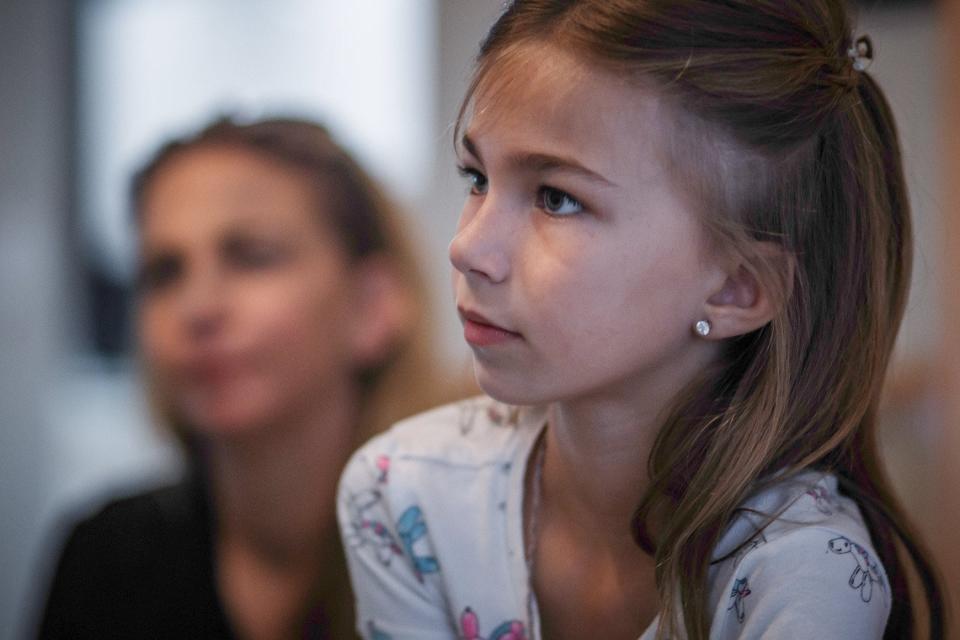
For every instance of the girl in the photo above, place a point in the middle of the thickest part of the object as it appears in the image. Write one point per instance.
(681, 267)
(280, 317)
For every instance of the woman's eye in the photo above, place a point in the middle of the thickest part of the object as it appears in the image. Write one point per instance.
(475, 180)
(557, 202)
(157, 273)
(252, 254)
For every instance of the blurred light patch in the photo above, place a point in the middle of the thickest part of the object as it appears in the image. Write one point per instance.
(152, 69)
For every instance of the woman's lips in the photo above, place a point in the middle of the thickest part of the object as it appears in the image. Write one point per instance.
(480, 332)
(213, 369)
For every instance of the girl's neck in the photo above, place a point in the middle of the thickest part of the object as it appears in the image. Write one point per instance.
(598, 446)
(595, 467)
(586, 568)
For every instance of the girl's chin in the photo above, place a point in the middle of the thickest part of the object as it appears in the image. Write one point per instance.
(507, 393)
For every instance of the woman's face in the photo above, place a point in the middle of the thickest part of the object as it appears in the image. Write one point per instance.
(247, 298)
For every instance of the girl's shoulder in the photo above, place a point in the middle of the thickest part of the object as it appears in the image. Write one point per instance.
(784, 507)
(433, 459)
(798, 560)
(410, 505)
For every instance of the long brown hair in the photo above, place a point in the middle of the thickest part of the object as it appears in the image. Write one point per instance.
(786, 143)
(368, 225)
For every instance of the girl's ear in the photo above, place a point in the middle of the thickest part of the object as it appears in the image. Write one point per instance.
(383, 310)
(745, 302)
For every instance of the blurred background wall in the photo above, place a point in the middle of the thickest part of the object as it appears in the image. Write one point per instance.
(947, 373)
(87, 88)
(35, 88)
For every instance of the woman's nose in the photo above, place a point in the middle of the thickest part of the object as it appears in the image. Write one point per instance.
(202, 304)
(481, 245)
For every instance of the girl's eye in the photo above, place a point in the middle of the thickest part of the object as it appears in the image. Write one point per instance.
(475, 180)
(557, 202)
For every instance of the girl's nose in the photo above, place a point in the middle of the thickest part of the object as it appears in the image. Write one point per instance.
(481, 246)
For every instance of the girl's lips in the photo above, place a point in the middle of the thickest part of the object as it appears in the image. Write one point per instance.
(480, 332)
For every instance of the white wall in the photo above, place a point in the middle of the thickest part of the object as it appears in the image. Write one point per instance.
(360, 67)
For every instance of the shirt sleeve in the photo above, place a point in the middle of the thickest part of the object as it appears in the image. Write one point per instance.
(810, 584)
(394, 573)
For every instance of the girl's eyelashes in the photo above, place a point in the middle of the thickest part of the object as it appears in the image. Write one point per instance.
(558, 203)
(553, 201)
(476, 181)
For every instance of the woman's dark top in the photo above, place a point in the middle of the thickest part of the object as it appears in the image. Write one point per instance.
(143, 567)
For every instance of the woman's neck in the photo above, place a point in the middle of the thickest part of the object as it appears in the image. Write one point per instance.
(274, 491)
(274, 500)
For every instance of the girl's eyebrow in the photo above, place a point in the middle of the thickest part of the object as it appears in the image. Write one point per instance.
(541, 162)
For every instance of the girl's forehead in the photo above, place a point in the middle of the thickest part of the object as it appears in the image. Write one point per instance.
(530, 72)
(544, 95)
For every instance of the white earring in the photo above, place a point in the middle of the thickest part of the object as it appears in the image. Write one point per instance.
(702, 328)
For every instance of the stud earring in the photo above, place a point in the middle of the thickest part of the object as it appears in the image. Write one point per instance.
(702, 328)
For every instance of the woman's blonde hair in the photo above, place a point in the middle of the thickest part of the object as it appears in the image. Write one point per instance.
(368, 225)
(788, 145)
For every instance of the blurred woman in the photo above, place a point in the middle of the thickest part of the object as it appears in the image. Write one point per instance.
(281, 320)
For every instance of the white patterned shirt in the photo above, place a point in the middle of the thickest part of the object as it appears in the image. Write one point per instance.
(431, 514)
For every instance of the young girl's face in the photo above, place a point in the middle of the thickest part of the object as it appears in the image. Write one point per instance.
(580, 264)
(246, 303)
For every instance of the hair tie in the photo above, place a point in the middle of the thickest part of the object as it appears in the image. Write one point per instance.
(861, 53)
